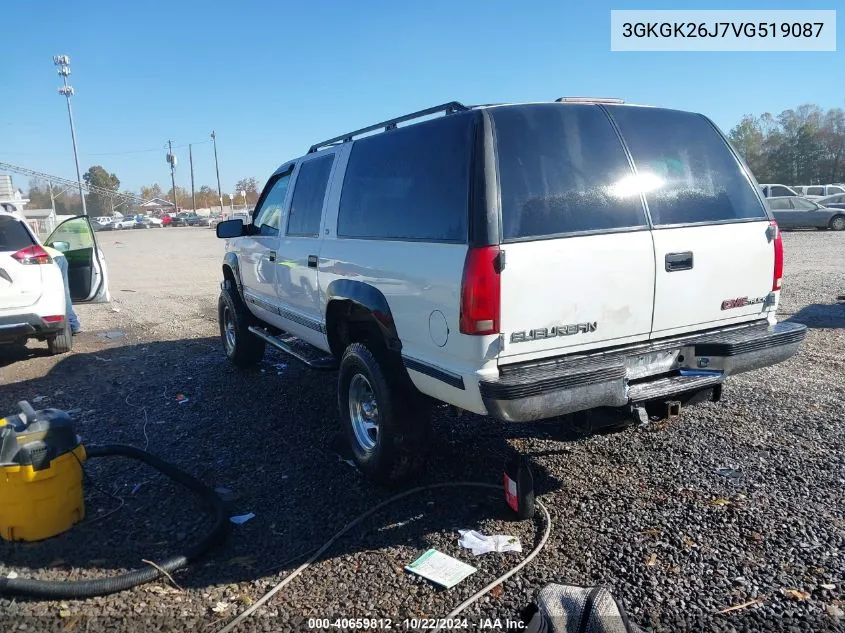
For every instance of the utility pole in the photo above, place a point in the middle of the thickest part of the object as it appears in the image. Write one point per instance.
(193, 195)
(172, 160)
(52, 197)
(217, 168)
(63, 62)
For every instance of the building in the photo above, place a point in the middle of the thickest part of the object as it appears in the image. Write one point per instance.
(157, 207)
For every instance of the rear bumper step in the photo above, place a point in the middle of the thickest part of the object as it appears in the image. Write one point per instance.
(534, 391)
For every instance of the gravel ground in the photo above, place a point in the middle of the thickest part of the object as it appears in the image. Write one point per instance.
(733, 502)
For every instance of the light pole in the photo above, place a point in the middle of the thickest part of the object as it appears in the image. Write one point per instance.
(172, 160)
(63, 64)
(217, 168)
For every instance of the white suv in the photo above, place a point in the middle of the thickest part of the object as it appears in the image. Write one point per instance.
(521, 261)
(816, 192)
(32, 291)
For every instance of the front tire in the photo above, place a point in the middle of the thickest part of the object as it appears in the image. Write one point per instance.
(62, 342)
(837, 223)
(242, 347)
(386, 425)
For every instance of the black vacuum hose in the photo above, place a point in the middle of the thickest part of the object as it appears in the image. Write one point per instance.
(77, 589)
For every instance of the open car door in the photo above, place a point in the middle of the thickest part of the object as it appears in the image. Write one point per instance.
(87, 274)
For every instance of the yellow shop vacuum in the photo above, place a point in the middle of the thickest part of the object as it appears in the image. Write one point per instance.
(42, 462)
(40, 474)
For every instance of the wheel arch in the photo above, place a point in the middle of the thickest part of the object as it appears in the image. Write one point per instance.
(232, 271)
(357, 311)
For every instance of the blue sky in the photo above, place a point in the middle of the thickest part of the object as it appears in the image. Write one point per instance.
(273, 77)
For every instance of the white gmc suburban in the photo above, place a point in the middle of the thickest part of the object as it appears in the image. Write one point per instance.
(521, 261)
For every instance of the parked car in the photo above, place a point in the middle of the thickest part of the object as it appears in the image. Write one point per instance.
(801, 213)
(124, 223)
(188, 218)
(773, 191)
(504, 264)
(97, 225)
(147, 222)
(32, 290)
(166, 220)
(815, 192)
(833, 202)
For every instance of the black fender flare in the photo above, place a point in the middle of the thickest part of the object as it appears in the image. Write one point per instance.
(368, 298)
(230, 260)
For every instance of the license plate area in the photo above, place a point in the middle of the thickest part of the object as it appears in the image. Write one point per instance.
(652, 363)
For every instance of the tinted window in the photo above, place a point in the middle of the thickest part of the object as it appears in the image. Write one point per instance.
(834, 190)
(411, 183)
(269, 212)
(781, 191)
(13, 234)
(691, 173)
(306, 208)
(815, 191)
(562, 170)
(779, 203)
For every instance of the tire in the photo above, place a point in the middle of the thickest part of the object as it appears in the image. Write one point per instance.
(837, 223)
(395, 450)
(242, 347)
(62, 342)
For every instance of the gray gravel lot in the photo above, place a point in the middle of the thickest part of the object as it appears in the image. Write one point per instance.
(733, 502)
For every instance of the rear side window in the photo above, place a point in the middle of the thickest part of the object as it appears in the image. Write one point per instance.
(815, 191)
(13, 234)
(562, 170)
(781, 191)
(410, 184)
(831, 191)
(691, 174)
(779, 203)
(306, 208)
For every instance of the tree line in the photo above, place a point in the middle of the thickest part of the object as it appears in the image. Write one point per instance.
(801, 146)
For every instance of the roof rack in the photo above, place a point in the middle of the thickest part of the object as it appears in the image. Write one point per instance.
(588, 100)
(390, 124)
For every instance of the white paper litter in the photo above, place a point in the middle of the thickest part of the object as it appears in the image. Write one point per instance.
(240, 519)
(440, 568)
(481, 544)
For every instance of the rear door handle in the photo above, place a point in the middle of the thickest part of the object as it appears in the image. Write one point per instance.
(678, 261)
(271, 256)
(312, 261)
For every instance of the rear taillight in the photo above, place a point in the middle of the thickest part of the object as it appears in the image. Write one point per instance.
(55, 318)
(481, 291)
(33, 255)
(778, 274)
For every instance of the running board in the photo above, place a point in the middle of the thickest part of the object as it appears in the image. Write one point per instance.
(324, 363)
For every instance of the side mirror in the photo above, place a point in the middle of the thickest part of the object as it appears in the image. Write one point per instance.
(230, 228)
(60, 246)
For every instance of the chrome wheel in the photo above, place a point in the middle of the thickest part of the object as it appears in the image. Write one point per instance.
(363, 412)
(228, 329)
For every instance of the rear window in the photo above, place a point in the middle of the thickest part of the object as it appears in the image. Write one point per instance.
(13, 234)
(562, 170)
(410, 184)
(691, 174)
